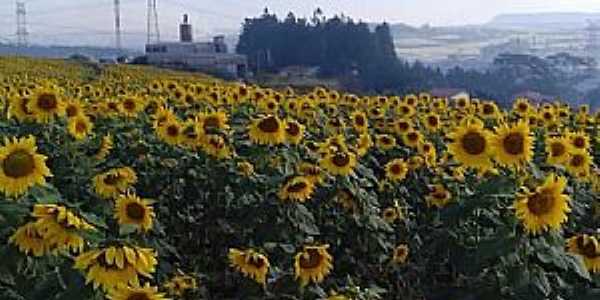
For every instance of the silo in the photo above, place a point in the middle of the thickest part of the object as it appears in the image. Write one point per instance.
(185, 30)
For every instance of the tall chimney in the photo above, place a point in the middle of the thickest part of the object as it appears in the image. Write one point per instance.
(185, 30)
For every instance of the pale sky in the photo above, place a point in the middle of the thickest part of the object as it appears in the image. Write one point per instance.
(91, 21)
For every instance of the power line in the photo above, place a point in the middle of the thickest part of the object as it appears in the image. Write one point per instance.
(21, 25)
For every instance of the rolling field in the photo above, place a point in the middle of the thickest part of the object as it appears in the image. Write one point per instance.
(132, 183)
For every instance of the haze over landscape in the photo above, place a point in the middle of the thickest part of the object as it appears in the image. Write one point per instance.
(68, 22)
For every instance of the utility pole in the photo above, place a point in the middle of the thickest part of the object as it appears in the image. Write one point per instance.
(117, 25)
(152, 22)
(21, 25)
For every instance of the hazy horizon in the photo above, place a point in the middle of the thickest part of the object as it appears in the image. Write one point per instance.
(91, 23)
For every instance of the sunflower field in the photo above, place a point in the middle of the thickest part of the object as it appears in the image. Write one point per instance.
(133, 183)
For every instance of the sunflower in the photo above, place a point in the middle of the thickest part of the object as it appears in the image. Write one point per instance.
(212, 121)
(428, 151)
(132, 210)
(412, 138)
(405, 110)
(545, 208)
(548, 117)
(363, 144)
(19, 108)
(294, 132)
(245, 168)
(116, 266)
(471, 145)
(488, 110)
(250, 263)
(131, 106)
(28, 239)
(73, 108)
(400, 254)
(558, 149)
(339, 162)
(113, 182)
(587, 247)
(391, 214)
(162, 115)
(106, 144)
(21, 166)
(415, 162)
(579, 140)
(512, 145)
(147, 292)
(396, 170)
(45, 103)
(268, 130)
(80, 126)
(359, 121)
(402, 126)
(438, 196)
(60, 227)
(180, 284)
(311, 171)
(579, 163)
(313, 263)
(216, 146)
(299, 188)
(171, 132)
(432, 122)
(522, 107)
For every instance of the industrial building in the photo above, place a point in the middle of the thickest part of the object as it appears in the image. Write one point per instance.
(186, 54)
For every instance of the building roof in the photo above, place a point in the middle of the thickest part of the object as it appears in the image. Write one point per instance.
(446, 92)
(534, 96)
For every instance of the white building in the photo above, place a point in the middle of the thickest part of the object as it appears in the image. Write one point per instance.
(202, 56)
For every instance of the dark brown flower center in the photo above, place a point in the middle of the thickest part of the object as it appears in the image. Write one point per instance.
(514, 143)
(297, 187)
(403, 126)
(557, 149)
(311, 259)
(579, 142)
(359, 120)
(540, 203)
(72, 111)
(473, 143)
(129, 105)
(135, 211)
(488, 109)
(341, 159)
(80, 127)
(412, 136)
(577, 160)
(172, 130)
(112, 179)
(432, 121)
(523, 107)
(18, 164)
(269, 124)
(293, 129)
(257, 261)
(211, 122)
(589, 250)
(138, 296)
(396, 169)
(47, 101)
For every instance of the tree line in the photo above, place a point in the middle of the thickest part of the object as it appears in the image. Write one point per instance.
(363, 57)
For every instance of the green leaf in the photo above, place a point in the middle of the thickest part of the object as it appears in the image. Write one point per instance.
(127, 229)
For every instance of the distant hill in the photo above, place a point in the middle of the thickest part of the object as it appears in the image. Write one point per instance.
(63, 51)
(549, 21)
